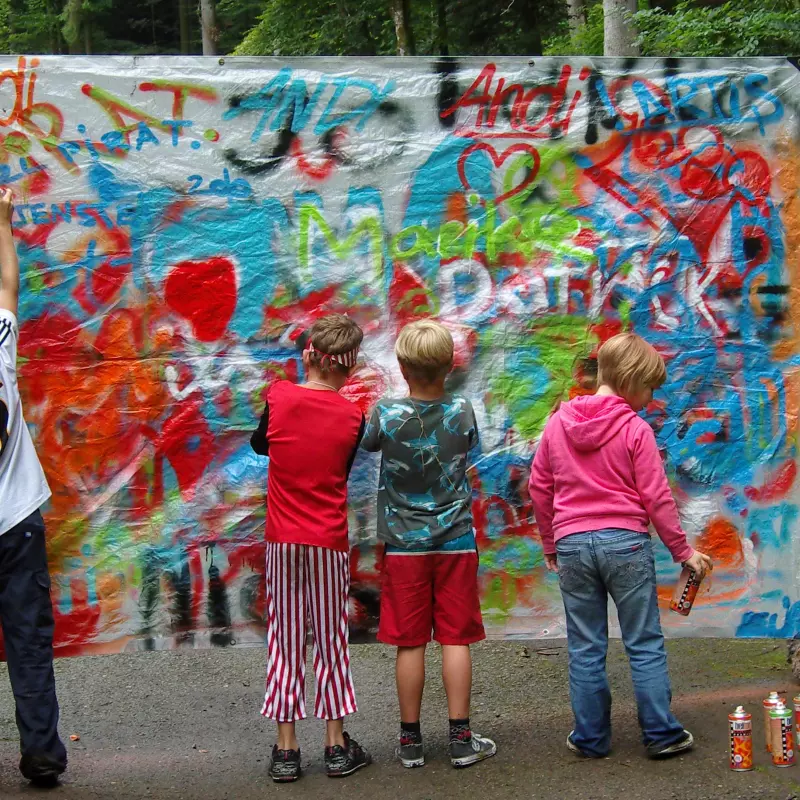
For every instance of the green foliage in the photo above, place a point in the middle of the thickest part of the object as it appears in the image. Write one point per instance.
(235, 18)
(694, 28)
(320, 27)
(740, 28)
(588, 41)
(364, 27)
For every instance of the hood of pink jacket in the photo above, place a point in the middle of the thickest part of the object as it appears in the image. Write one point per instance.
(589, 422)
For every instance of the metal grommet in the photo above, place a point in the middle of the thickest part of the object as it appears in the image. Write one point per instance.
(222, 62)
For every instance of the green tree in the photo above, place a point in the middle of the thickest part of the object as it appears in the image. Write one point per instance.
(740, 28)
(702, 28)
(367, 27)
(321, 27)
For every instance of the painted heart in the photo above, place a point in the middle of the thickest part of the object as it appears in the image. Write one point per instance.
(204, 293)
(498, 159)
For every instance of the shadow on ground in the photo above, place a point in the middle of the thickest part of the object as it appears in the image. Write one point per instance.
(186, 725)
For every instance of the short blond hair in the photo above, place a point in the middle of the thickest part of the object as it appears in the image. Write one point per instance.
(627, 363)
(425, 349)
(333, 335)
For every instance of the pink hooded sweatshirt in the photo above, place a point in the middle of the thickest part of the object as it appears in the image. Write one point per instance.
(598, 467)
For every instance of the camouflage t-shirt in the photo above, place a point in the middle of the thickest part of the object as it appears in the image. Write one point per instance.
(424, 497)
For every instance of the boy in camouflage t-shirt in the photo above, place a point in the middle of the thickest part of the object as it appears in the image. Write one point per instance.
(430, 566)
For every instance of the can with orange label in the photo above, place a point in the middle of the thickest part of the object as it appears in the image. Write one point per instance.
(685, 592)
(740, 735)
(796, 704)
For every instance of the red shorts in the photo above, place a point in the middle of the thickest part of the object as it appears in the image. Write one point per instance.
(430, 592)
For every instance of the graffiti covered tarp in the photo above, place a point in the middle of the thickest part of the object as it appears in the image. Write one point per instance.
(181, 222)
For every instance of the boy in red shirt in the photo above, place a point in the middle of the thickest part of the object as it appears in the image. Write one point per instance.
(311, 435)
(430, 566)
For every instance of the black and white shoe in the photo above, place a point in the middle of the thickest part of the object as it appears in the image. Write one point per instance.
(683, 745)
(284, 766)
(466, 751)
(343, 761)
(410, 752)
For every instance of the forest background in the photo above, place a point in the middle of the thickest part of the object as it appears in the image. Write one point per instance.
(402, 27)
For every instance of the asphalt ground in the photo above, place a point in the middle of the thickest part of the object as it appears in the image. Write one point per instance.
(186, 725)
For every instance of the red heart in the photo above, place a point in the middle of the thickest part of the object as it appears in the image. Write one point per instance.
(204, 292)
(498, 161)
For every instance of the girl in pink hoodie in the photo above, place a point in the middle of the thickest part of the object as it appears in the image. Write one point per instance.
(597, 482)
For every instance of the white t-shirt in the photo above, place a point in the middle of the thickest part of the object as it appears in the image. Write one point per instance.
(23, 486)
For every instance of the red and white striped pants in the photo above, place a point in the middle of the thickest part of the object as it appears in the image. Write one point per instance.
(307, 583)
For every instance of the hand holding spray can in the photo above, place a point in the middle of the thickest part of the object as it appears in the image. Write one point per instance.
(769, 703)
(740, 734)
(782, 736)
(685, 592)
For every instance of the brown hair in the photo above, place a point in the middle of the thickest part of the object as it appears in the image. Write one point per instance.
(425, 349)
(627, 363)
(333, 335)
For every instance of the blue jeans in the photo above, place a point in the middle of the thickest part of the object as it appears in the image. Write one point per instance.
(619, 563)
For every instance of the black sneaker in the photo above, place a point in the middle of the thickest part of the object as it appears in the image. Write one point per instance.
(410, 752)
(284, 766)
(470, 749)
(683, 745)
(342, 761)
(42, 771)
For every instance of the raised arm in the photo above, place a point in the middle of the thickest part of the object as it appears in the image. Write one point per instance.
(9, 263)
(259, 441)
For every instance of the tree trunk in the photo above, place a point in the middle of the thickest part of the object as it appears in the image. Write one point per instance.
(576, 12)
(87, 37)
(442, 36)
(619, 37)
(183, 20)
(401, 14)
(73, 23)
(208, 19)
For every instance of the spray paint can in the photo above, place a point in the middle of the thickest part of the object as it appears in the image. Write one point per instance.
(685, 592)
(769, 703)
(782, 736)
(740, 735)
(796, 704)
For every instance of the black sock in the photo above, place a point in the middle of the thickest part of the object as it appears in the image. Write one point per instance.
(411, 731)
(459, 729)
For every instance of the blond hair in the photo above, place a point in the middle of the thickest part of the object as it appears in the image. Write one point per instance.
(333, 335)
(425, 349)
(628, 364)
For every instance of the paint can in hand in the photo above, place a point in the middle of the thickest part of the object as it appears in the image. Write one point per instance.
(782, 736)
(685, 592)
(740, 735)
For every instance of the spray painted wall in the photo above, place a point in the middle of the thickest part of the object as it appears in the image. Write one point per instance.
(181, 222)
